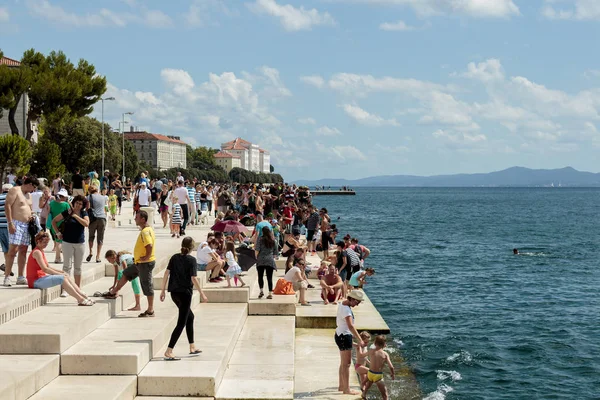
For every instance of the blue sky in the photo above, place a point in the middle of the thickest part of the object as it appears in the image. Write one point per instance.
(343, 88)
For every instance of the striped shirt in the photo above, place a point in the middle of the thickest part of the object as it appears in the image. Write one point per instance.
(3, 222)
(191, 193)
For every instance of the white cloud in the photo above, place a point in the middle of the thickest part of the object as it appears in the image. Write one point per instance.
(362, 84)
(365, 118)
(180, 80)
(276, 88)
(471, 8)
(4, 14)
(592, 73)
(291, 18)
(327, 131)
(201, 12)
(101, 18)
(396, 26)
(314, 80)
(307, 121)
(486, 71)
(348, 153)
(460, 140)
(581, 10)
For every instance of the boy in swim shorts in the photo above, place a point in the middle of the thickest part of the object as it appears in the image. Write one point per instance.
(360, 366)
(378, 358)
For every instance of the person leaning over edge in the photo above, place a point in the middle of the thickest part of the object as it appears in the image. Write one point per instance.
(145, 260)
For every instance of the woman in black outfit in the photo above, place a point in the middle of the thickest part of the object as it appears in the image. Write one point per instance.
(181, 276)
(266, 250)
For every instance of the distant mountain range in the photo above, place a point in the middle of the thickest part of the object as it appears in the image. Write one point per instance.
(511, 177)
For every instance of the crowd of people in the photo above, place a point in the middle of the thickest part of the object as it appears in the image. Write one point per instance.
(282, 218)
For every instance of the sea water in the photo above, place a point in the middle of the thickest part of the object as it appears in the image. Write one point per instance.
(470, 319)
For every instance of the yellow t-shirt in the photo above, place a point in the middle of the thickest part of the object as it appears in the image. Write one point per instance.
(145, 238)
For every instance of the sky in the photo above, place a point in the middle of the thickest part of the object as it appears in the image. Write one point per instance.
(342, 88)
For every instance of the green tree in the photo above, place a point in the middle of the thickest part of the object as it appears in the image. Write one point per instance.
(46, 160)
(271, 168)
(15, 152)
(201, 157)
(56, 89)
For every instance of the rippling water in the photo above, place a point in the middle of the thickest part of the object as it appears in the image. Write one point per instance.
(472, 320)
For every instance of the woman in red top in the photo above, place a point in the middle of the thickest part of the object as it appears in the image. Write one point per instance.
(41, 276)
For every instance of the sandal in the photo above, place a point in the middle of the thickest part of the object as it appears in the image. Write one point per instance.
(270, 296)
(110, 296)
(88, 258)
(146, 314)
(261, 295)
(196, 352)
(86, 303)
(172, 359)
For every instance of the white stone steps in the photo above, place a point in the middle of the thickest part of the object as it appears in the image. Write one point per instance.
(262, 363)
(317, 361)
(218, 292)
(55, 327)
(23, 375)
(172, 398)
(278, 305)
(89, 388)
(217, 328)
(122, 345)
(20, 299)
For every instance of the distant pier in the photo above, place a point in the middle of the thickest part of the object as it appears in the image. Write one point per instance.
(333, 193)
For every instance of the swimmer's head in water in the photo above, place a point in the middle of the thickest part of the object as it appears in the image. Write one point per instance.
(515, 251)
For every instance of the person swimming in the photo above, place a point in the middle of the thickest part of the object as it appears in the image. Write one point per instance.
(515, 251)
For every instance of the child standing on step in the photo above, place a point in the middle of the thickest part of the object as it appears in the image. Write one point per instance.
(124, 259)
(176, 220)
(233, 268)
(378, 359)
(112, 204)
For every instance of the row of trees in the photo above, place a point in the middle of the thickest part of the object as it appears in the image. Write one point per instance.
(244, 176)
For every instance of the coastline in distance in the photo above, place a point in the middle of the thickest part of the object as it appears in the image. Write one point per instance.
(511, 177)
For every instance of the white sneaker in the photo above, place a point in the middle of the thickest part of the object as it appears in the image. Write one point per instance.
(21, 280)
(63, 294)
(7, 281)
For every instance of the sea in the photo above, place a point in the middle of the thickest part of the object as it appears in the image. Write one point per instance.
(470, 319)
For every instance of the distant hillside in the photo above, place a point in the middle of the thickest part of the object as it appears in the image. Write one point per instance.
(515, 176)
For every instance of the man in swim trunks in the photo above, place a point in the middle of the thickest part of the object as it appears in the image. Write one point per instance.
(378, 358)
(331, 286)
(18, 214)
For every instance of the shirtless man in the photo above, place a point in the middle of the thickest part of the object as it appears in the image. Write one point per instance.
(331, 286)
(378, 359)
(18, 214)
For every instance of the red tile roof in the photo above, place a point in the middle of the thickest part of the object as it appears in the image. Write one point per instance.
(150, 136)
(263, 151)
(10, 62)
(224, 154)
(236, 144)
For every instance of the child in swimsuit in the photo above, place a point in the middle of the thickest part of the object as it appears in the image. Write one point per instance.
(360, 366)
(378, 358)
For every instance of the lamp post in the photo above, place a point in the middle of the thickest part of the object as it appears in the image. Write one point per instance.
(102, 100)
(124, 114)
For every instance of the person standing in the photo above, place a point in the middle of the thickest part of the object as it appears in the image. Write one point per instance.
(105, 183)
(75, 220)
(58, 205)
(192, 203)
(97, 214)
(266, 251)
(344, 332)
(183, 199)
(143, 195)
(181, 278)
(57, 184)
(145, 260)
(77, 184)
(3, 224)
(18, 215)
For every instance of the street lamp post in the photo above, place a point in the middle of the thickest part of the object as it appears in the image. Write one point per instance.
(102, 100)
(124, 114)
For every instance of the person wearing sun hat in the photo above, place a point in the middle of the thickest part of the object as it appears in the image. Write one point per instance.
(344, 332)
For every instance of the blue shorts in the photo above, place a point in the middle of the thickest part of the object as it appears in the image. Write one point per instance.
(48, 281)
(201, 267)
(4, 239)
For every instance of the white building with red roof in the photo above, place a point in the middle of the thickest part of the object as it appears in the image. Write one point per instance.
(252, 157)
(159, 151)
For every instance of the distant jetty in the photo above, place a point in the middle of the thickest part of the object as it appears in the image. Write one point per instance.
(333, 193)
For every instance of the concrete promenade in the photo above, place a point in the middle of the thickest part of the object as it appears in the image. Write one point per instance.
(252, 349)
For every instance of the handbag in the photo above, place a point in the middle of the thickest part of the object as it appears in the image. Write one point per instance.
(91, 215)
(62, 227)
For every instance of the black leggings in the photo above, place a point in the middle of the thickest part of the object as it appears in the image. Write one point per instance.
(261, 271)
(183, 301)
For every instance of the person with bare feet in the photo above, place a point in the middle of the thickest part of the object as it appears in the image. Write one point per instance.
(298, 279)
(362, 354)
(18, 214)
(331, 285)
(344, 332)
(124, 259)
(145, 260)
(181, 278)
(378, 359)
